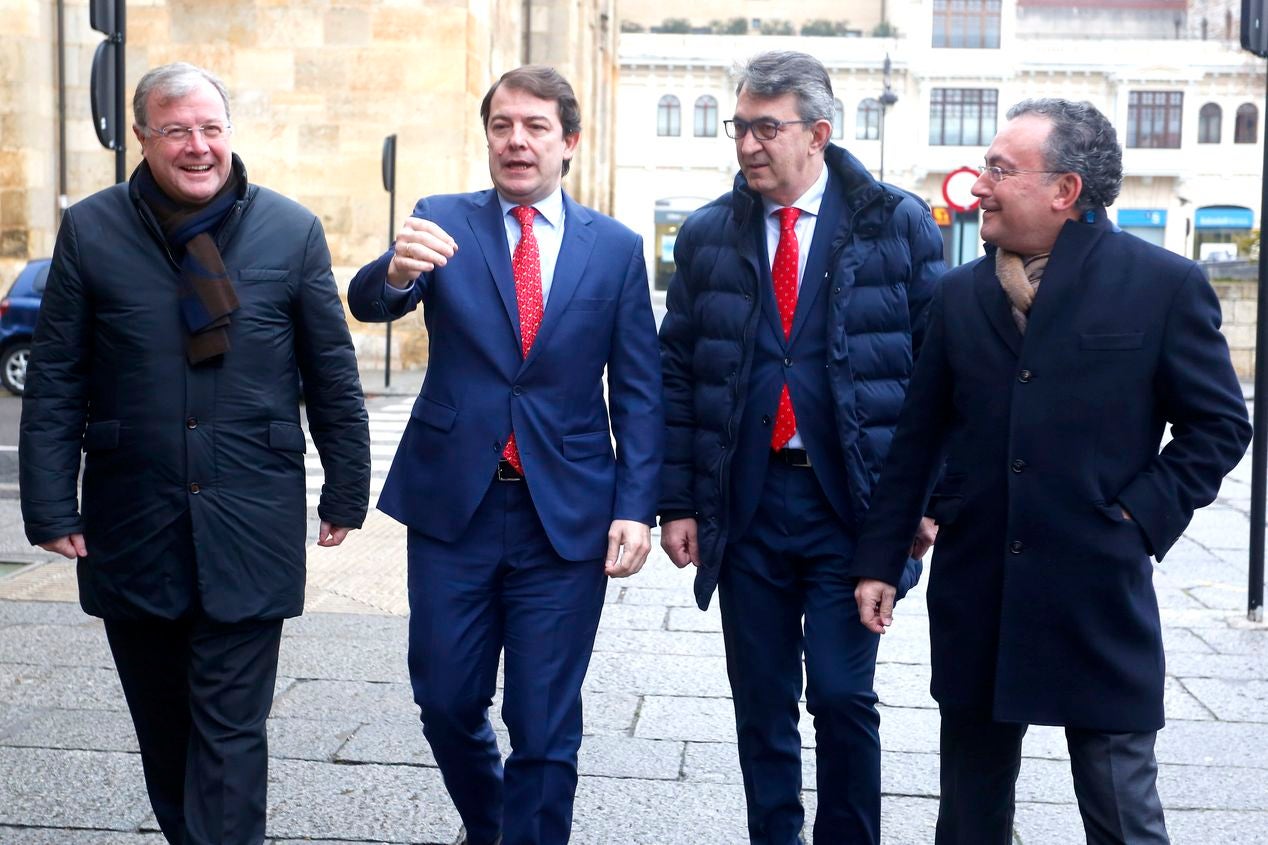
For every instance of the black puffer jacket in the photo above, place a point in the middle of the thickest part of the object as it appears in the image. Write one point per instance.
(886, 261)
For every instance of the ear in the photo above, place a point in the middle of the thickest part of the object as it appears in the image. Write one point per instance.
(570, 145)
(821, 131)
(1069, 186)
(140, 137)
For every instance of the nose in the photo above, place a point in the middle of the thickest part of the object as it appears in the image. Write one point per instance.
(748, 144)
(197, 143)
(982, 187)
(517, 137)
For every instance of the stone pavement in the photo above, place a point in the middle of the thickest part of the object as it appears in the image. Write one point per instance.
(658, 765)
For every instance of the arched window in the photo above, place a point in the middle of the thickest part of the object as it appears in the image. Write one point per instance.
(1209, 118)
(868, 121)
(1247, 130)
(706, 123)
(669, 116)
(838, 120)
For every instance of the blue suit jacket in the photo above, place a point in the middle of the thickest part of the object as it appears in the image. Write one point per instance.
(479, 387)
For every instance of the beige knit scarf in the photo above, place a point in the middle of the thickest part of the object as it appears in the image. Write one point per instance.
(1020, 279)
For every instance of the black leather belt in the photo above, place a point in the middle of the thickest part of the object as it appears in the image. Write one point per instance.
(506, 472)
(792, 457)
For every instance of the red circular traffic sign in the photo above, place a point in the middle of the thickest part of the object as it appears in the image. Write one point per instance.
(957, 189)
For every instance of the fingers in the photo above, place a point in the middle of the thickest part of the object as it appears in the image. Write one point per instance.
(678, 539)
(70, 546)
(875, 600)
(331, 535)
(420, 247)
(635, 542)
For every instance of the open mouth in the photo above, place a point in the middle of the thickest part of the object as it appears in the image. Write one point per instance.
(196, 168)
(519, 166)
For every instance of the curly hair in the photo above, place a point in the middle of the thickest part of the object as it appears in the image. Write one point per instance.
(1082, 141)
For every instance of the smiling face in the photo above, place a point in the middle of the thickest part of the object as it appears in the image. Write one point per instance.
(194, 170)
(783, 168)
(527, 145)
(1024, 212)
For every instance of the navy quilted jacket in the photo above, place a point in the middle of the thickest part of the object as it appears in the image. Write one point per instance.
(886, 261)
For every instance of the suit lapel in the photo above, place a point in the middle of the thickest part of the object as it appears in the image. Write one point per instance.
(820, 246)
(574, 255)
(991, 296)
(490, 233)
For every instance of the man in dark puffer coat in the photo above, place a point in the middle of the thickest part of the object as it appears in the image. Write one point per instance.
(786, 352)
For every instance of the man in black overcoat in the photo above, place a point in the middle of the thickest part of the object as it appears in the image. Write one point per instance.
(1050, 370)
(181, 309)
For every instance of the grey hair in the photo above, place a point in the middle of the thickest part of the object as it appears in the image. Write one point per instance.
(1082, 141)
(173, 81)
(780, 72)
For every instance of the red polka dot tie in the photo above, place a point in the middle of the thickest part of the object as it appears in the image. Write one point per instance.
(526, 264)
(783, 274)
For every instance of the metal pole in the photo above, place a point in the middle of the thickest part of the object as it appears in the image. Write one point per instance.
(1259, 450)
(120, 71)
(389, 185)
(881, 177)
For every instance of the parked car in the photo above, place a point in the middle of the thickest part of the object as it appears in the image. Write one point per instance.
(18, 311)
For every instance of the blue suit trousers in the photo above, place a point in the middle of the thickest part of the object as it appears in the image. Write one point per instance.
(791, 565)
(501, 587)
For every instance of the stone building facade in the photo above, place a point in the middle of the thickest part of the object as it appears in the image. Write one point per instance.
(316, 86)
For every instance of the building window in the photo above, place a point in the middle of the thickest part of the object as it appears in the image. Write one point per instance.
(669, 116)
(962, 116)
(706, 117)
(838, 120)
(1247, 131)
(966, 23)
(1153, 119)
(868, 120)
(1209, 124)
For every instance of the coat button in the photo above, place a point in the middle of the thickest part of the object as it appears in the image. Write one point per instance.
(517, 390)
(1018, 465)
(194, 488)
(1016, 547)
(1025, 376)
(788, 362)
(765, 419)
(191, 423)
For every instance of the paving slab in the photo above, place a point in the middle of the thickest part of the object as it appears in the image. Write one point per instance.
(63, 687)
(55, 645)
(74, 789)
(70, 836)
(84, 730)
(1232, 700)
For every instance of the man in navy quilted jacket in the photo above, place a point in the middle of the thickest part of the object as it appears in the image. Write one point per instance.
(794, 318)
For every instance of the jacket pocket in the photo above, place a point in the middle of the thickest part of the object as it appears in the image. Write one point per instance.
(287, 437)
(1112, 342)
(578, 446)
(99, 436)
(433, 413)
(263, 274)
(588, 304)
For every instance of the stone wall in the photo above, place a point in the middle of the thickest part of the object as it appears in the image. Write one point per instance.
(316, 86)
(1239, 301)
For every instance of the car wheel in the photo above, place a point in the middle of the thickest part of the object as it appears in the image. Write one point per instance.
(13, 367)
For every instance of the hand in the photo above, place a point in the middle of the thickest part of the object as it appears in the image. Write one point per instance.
(628, 544)
(876, 604)
(420, 247)
(925, 537)
(71, 546)
(331, 535)
(678, 539)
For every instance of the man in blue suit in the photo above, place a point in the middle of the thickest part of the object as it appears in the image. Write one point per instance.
(516, 505)
(1051, 367)
(796, 310)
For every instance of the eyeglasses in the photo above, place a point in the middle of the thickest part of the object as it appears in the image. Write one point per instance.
(999, 174)
(764, 129)
(177, 134)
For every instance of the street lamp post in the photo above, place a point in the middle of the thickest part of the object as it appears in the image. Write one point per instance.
(887, 99)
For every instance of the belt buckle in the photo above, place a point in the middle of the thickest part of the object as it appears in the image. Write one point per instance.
(506, 472)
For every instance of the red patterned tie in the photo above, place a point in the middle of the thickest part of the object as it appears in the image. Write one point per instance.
(527, 266)
(784, 276)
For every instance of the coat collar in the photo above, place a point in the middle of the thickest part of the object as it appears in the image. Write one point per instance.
(1063, 279)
